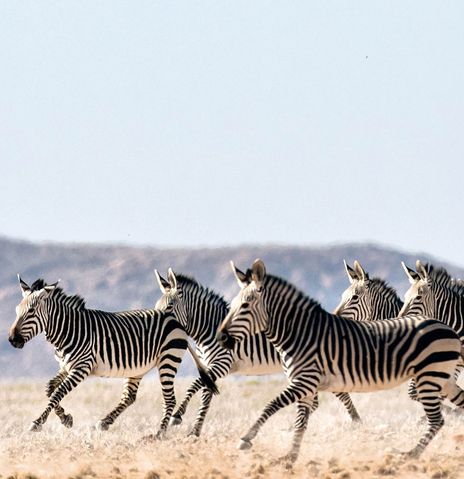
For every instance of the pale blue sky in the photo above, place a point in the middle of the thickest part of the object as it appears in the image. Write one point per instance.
(227, 122)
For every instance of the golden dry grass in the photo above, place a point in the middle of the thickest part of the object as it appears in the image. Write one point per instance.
(332, 448)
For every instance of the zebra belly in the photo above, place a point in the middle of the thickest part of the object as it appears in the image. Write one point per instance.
(111, 371)
(346, 384)
(250, 368)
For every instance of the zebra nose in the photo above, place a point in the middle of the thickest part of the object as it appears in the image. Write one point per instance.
(16, 340)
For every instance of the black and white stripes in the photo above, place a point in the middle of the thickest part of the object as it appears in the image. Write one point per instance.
(321, 351)
(92, 342)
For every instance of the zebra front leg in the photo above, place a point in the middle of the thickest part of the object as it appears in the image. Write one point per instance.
(73, 378)
(66, 419)
(294, 392)
(129, 394)
(348, 403)
(191, 391)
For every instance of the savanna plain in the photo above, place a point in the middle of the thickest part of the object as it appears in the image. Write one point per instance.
(333, 447)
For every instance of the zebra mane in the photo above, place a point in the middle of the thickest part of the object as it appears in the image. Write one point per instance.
(271, 279)
(438, 274)
(190, 283)
(38, 284)
(73, 302)
(380, 286)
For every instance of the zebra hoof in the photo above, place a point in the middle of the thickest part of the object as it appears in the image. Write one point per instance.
(244, 444)
(194, 434)
(102, 426)
(35, 427)
(175, 421)
(67, 421)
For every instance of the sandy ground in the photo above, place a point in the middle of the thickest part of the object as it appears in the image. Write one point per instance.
(332, 448)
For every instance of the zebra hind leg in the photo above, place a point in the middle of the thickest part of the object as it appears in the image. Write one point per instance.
(305, 408)
(66, 419)
(429, 394)
(206, 396)
(167, 372)
(129, 395)
(348, 403)
(176, 418)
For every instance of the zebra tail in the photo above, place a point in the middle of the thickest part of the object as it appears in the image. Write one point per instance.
(208, 381)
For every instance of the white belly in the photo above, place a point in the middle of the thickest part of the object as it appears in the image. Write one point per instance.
(337, 384)
(246, 368)
(105, 370)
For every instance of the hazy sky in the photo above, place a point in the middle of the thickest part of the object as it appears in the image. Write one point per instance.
(228, 122)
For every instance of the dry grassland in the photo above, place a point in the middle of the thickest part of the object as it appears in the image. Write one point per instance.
(332, 448)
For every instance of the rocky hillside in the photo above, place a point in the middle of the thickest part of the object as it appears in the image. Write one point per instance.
(121, 277)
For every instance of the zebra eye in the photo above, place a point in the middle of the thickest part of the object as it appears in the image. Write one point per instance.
(419, 297)
(355, 297)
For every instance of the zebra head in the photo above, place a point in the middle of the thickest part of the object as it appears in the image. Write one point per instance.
(30, 315)
(356, 302)
(172, 298)
(247, 315)
(419, 298)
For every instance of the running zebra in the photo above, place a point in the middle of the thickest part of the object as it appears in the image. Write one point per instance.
(91, 342)
(434, 293)
(367, 299)
(321, 351)
(200, 311)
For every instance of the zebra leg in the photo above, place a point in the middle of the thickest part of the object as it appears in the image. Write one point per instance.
(206, 396)
(73, 378)
(429, 393)
(412, 390)
(66, 419)
(305, 408)
(167, 371)
(191, 391)
(348, 403)
(129, 394)
(294, 392)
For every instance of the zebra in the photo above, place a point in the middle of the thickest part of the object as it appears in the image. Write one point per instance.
(200, 310)
(91, 342)
(322, 351)
(367, 299)
(434, 293)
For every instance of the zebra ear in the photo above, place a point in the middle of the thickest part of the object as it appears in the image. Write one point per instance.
(25, 288)
(48, 288)
(162, 283)
(258, 272)
(422, 272)
(352, 276)
(172, 279)
(412, 275)
(240, 276)
(362, 275)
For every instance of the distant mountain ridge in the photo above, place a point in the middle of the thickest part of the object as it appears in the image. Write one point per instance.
(116, 277)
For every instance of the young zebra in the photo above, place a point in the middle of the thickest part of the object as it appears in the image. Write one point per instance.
(200, 311)
(91, 342)
(321, 351)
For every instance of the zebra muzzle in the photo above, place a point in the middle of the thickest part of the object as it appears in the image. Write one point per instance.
(17, 341)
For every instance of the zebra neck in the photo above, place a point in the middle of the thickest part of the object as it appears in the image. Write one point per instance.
(205, 313)
(449, 309)
(61, 325)
(288, 316)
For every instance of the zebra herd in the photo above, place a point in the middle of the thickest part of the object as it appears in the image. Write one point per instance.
(372, 341)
